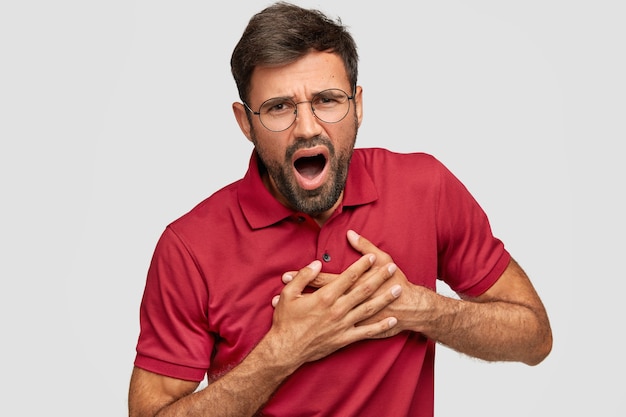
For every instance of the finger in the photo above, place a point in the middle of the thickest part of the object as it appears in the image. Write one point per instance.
(371, 307)
(380, 329)
(288, 276)
(320, 280)
(369, 284)
(348, 277)
(275, 300)
(302, 278)
(364, 246)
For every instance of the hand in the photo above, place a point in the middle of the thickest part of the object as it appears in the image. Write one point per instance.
(507, 322)
(416, 305)
(310, 326)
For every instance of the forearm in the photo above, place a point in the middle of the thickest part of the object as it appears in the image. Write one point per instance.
(240, 392)
(491, 330)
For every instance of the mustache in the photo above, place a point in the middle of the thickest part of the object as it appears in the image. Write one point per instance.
(309, 143)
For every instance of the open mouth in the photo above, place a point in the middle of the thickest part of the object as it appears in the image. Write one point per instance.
(310, 167)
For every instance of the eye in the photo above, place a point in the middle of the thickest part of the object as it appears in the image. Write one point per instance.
(277, 107)
(328, 99)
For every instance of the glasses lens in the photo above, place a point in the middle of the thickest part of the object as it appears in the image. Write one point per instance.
(331, 106)
(277, 113)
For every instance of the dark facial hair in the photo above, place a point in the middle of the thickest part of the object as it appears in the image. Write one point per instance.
(311, 202)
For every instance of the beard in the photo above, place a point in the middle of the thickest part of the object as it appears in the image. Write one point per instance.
(321, 199)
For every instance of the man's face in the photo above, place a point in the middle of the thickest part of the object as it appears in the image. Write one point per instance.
(307, 164)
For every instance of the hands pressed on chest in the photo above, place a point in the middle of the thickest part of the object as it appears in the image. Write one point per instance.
(313, 325)
(507, 322)
(413, 307)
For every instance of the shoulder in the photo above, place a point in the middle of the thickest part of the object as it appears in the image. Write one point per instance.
(382, 163)
(381, 158)
(208, 213)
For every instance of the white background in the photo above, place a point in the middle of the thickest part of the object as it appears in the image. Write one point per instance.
(115, 119)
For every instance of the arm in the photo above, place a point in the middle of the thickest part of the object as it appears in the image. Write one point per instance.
(241, 392)
(506, 323)
(305, 327)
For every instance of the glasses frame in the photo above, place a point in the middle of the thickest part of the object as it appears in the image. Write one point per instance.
(295, 112)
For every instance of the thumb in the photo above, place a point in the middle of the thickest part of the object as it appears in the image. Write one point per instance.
(364, 246)
(361, 244)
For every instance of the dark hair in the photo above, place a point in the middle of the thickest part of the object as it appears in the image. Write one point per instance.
(282, 33)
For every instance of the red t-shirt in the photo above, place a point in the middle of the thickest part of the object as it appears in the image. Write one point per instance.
(207, 300)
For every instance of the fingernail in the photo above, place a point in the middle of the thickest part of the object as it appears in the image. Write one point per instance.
(287, 278)
(275, 300)
(315, 265)
(396, 290)
(392, 321)
(392, 268)
(372, 258)
(352, 235)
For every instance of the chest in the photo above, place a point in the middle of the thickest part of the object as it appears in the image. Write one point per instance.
(243, 272)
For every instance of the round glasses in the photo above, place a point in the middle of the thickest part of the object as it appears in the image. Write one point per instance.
(279, 113)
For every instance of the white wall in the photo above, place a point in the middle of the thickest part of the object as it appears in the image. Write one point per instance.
(115, 119)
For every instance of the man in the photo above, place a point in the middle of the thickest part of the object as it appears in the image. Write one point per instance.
(307, 288)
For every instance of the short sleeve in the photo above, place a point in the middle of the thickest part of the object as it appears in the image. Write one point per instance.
(174, 339)
(471, 258)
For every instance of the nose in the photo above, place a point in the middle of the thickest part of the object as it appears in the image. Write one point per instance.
(306, 124)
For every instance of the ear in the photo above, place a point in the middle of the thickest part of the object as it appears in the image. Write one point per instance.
(358, 104)
(242, 119)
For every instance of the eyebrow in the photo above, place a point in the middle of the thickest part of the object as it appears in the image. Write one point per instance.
(293, 98)
(280, 98)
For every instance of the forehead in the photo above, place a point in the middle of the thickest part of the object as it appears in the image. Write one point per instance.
(314, 72)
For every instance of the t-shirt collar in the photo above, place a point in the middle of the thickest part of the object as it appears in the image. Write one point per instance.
(261, 209)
